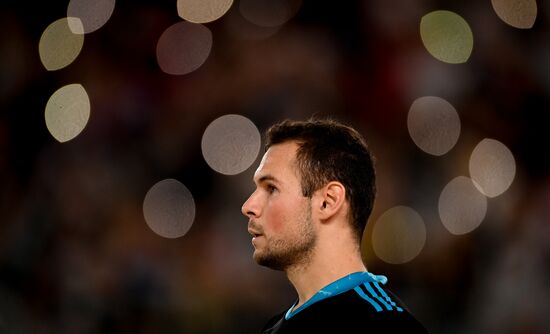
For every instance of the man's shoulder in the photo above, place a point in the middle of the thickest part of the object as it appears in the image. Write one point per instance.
(366, 301)
(359, 300)
(372, 305)
(365, 307)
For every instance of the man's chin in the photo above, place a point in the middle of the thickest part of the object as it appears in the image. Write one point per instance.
(268, 261)
(258, 257)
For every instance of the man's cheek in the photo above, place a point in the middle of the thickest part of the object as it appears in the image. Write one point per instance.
(277, 220)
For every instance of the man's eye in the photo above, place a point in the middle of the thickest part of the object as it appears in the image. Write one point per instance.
(271, 188)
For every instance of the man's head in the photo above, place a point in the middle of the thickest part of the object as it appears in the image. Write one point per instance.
(330, 151)
(302, 158)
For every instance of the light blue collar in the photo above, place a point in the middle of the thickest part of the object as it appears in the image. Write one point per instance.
(337, 287)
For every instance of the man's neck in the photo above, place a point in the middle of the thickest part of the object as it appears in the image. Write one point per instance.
(320, 271)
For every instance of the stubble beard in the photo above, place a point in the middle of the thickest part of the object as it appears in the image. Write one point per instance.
(282, 254)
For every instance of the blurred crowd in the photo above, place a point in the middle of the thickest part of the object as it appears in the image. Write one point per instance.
(76, 255)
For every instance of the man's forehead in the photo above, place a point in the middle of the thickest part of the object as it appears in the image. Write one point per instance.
(277, 158)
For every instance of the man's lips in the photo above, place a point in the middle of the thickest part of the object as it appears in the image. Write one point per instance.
(255, 238)
(254, 233)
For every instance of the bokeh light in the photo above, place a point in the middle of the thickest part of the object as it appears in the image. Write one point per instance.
(269, 13)
(492, 167)
(59, 46)
(203, 11)
(433, 125)
(462, 207)
(230, 144)
(242, 29)
(183, 47)
(398, 235)
(517, 13)
(169, 208)
(447, 36)
(67, 112)
(92, 13)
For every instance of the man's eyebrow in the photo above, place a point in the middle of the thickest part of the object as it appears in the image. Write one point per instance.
(265, 178)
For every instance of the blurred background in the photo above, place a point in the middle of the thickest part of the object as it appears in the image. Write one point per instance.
(128, 141)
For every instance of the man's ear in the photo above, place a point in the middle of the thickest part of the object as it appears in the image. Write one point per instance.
(331, 199)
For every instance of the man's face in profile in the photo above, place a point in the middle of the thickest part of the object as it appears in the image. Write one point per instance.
(279, 215)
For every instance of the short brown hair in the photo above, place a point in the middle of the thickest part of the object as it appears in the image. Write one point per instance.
(331, 151)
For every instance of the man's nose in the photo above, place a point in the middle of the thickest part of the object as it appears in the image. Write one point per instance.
(250, 207)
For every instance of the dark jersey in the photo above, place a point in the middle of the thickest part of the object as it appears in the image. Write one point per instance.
(357, 303)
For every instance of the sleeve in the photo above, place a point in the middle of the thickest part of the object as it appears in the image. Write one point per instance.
(387, 312)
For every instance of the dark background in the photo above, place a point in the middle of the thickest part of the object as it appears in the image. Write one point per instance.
(76, 255)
